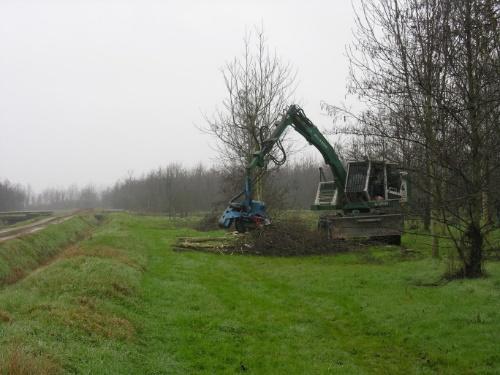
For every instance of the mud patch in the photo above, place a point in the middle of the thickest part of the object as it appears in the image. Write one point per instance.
(4, 316)
(18, 361)
(13, 276)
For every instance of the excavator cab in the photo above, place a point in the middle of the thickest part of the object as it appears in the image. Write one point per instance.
(366, 181)
(372, 180)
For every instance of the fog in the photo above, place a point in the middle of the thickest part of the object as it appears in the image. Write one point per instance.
(92, 91)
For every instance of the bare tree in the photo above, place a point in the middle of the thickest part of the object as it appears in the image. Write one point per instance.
(259, 85)
(428, 73)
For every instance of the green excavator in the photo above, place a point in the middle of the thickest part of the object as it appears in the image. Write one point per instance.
(364, 200)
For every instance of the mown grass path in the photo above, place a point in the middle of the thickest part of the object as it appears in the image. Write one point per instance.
(123, 302)
(350, 313)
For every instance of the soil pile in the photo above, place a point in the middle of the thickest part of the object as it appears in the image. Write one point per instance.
(287, 237)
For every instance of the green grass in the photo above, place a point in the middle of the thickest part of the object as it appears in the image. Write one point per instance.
(19, 256)
(122, 302)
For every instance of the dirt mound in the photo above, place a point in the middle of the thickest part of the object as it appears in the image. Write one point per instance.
(287, 237)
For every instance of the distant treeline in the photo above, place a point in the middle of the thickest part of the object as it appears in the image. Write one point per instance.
(12, 196)
(18, 197)
(173, 190)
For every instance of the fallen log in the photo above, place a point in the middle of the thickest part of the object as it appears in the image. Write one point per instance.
(201, 239)
(207, 244)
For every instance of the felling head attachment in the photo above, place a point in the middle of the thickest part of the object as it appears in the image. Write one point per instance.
(244, 216)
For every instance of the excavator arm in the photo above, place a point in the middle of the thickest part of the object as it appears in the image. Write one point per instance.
(253, 212)
(311, 133)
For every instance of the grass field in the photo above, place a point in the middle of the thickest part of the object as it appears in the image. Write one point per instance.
(122, 302)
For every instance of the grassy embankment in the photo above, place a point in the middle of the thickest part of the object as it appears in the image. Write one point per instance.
(20, 256)
(122, 302)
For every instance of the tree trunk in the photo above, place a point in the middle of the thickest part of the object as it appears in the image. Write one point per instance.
(435, 235)
(427, 214)
(474, 265)
(432, 182)
(473, 235)
(486, 214)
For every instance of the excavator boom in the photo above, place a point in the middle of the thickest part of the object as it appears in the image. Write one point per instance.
(253, 212)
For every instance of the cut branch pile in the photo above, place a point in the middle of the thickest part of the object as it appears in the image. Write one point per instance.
(208, 244)
(286, 237)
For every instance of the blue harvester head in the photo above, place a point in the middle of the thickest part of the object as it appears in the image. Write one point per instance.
(244, 215)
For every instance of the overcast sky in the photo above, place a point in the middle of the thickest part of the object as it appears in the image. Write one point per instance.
(90, 90)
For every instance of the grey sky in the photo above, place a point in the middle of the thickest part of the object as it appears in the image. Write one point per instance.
(90, 90)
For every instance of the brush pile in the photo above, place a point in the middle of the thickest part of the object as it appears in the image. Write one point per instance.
(290, 236)
(287, 237)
